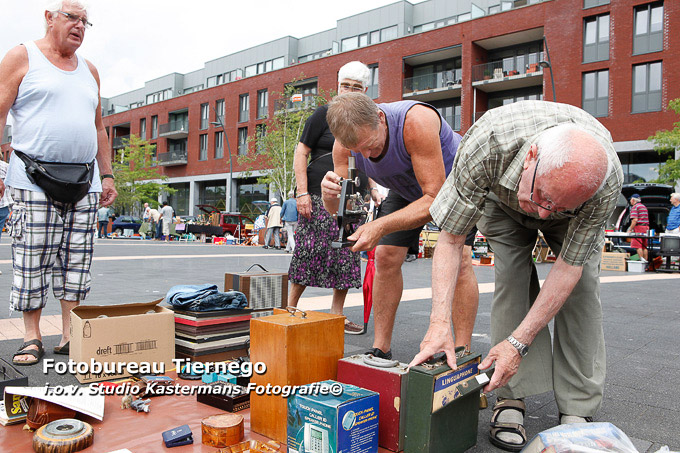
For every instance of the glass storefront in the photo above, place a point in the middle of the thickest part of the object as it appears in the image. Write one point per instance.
(250, 191)
(180, 199)
(641, 166)
(214, 193)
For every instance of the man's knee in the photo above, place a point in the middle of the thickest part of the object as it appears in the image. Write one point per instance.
(389, 258)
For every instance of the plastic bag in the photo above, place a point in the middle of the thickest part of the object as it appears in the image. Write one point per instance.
(581, 438)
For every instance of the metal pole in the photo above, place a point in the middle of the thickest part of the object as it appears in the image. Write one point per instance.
(552, 79)
(226, 140)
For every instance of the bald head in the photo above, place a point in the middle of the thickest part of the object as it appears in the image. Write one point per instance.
(574, 159)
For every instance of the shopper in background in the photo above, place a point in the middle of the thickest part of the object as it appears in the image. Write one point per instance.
(314, 262)
(289, 216)
(273, 225)
(673, 223)
(167, 214)
(639, 224)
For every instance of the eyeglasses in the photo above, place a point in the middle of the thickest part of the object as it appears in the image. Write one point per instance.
(549, 207)
(73, 18)
(349, 87)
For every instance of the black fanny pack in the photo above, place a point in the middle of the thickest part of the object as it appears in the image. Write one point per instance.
(67, 183)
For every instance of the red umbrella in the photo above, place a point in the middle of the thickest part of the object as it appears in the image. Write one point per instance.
(368, 287)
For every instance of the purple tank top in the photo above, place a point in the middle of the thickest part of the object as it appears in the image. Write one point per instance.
(395, 169)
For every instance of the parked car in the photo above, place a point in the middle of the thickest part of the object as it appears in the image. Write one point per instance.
(126, 222)
(232, 223)
(655, 197)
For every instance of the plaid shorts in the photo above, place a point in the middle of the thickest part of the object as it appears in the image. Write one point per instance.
(54, 239)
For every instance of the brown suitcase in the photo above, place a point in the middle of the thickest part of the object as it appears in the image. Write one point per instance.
(297, 350)
(262, 290)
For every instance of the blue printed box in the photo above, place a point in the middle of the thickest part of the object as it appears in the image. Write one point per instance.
(324, 423)
(446, 385)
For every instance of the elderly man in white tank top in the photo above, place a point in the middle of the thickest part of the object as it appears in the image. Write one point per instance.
(53, 97)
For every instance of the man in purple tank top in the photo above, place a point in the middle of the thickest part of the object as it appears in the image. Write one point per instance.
(406, 147)
(52, 94)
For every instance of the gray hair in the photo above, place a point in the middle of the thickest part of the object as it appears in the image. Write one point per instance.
(291, 194)
(355, 70)
(349, 112)
(557, 145)
(675, 196)
(56, 5)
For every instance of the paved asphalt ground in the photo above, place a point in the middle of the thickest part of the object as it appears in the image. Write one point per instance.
(641, 324)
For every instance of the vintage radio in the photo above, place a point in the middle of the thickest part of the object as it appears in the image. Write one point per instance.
(389, 378)
(443, 405)
(298, 348)
(263, 290)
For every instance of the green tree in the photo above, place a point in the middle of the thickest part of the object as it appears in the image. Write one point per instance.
(272, 147)
(666, 143)
(133, 174)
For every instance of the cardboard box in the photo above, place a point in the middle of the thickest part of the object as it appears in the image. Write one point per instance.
(141, 333)
(614, 261)
(333, 424)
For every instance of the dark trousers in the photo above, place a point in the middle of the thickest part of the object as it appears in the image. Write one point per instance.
(102, 228)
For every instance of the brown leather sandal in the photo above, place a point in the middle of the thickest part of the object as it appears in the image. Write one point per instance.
(513, 428)
(23, 350)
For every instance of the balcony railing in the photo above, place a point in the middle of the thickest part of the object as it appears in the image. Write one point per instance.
(498, 70)
(173, 157)
(436, 80)
(174, 129)
(118, 142)
(308, 101)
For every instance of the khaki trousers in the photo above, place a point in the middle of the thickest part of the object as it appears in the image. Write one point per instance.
(573, 366)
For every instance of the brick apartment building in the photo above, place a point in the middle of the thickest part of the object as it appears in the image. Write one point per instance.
(618, 60)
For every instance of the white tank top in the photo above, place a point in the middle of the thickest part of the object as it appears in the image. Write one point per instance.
(53, 117)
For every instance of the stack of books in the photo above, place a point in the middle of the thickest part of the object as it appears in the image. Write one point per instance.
(212, 336)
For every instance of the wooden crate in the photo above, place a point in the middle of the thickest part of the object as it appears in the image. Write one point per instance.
(296, 351)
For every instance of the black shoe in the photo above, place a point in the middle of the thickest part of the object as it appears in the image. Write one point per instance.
(376, 352)
(265, 247)
(277, 248)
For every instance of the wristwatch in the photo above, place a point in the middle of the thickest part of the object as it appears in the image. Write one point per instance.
(522, 348)
(108, 175)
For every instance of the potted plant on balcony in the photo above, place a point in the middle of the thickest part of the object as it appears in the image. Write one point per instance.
(487, 74)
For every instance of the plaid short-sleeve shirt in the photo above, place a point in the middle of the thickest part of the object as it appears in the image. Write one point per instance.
(490, 159)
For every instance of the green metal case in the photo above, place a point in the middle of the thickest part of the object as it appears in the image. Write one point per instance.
(443, 406)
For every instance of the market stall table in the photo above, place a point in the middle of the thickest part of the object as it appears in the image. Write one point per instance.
(140, 431)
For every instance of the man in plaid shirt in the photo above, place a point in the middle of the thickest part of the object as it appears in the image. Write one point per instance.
(521, 168)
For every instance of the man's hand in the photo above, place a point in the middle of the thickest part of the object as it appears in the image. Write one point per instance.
(304, 206)
(507, 360)
(109, 192)
(377, 197)
(366, 236)
(439, 337)
(330, 186)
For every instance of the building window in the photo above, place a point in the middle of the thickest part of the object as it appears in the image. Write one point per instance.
(594, 3)
(205, 112)
(154, 127)
(203, 147)
(142, 128)
(648, 36)
(388, 33)
(596, 93)
(243, 141)
(262, 103)
(261, 132)
(348, 44)
(219, 145)
(450, 112)
(243, 108)
(596, 38)
(372, 91)
(647, 87)
(158, 96)
(219, 110)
